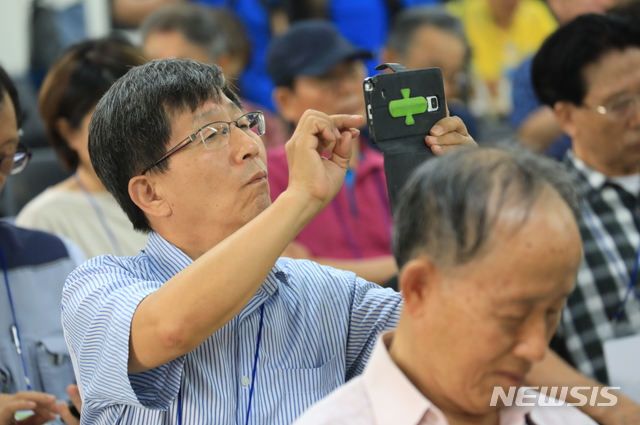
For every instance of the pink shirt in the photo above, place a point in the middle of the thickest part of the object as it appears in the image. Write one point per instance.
(383, 395)
(357, 223)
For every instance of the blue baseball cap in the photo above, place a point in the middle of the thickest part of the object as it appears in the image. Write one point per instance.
(309, 48)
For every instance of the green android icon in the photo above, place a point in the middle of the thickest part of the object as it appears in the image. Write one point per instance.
(408, 107)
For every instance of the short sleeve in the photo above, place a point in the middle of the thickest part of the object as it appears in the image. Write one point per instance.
(98, 303)
(373, 310)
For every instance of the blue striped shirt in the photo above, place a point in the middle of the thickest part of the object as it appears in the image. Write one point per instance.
(320, 326)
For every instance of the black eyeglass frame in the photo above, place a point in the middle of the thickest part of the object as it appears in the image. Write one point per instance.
(193, 136)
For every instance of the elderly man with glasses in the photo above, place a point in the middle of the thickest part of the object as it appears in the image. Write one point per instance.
(35, 368)
(589, 72)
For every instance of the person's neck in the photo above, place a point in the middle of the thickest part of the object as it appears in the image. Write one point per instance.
(613, 169)
(502, 16)
(89, 179)
(404, 350)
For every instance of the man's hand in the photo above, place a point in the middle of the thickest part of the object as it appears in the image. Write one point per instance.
(449, 133)
(318, 155)
(43, 406)
(63, 408)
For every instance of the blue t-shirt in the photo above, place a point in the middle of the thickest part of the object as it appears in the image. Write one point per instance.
(525, 102)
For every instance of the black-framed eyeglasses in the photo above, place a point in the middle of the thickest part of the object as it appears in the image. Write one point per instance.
(619, 109)
(215, 136)
(14, 163)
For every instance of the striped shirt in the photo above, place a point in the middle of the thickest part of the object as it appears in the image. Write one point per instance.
(320, 326)
(610, 239)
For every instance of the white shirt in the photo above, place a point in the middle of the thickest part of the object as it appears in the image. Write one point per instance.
(71, 214)
(383, 395)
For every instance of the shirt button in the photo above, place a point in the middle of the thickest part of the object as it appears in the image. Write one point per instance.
(245, 381)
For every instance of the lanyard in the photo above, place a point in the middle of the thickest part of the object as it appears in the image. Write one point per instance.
(15, 332)
(101, 216)
(610, 256)
(253, 373)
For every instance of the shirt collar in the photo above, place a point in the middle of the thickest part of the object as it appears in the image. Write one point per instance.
(167, 260)
(587, 179)
(394, 399)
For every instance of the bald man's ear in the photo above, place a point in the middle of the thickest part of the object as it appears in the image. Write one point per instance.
(147, 195)
(419, 280)
(565, 114)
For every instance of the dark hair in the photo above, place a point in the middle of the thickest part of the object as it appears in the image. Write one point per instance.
(451, 204)
(75, 84)
(558, 68)
(131, 126)
(628, 10)
(198, 24)
(410, 20)
(7, 86)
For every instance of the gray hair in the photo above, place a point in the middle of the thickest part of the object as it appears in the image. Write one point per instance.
(131, 126)
(407, 22)
(451, 204)
(198, 24)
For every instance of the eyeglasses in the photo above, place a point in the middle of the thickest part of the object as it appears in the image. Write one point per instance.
(620, 109)
(16, 162)
(215, 136)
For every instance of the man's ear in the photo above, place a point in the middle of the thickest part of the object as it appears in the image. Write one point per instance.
(419, 280)
(286, 103)
(147, 194)
(565, 113)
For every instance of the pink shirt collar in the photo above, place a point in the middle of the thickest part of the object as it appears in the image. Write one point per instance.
(395, 400)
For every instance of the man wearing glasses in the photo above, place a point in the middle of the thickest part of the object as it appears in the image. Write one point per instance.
(208, 325)
(589, 73)
(35, 368)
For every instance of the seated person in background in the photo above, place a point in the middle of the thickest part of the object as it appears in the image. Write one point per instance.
(536, 124)
(484, 281)
(213, 36)
(79, 207)
(207, 325)
(427, 37)
(314, 67)
(502, 33)
(35, 367)
(588, 71)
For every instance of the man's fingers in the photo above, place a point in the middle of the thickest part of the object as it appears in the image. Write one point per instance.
(449, 125)
(74, 394)
(37, 419)
(40, 398)
(66, 415)
(343, 122)
(8, 409)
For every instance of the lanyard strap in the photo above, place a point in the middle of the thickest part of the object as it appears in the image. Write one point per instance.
(611, 257)
(15, 332)
(253, 373)
(101, 216)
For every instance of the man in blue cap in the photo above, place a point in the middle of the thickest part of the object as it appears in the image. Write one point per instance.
(314, 67)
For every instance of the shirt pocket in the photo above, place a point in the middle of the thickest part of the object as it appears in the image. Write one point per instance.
(321, 379)
(54, 366)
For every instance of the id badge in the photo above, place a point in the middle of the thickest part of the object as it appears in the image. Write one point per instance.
(621, 359)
